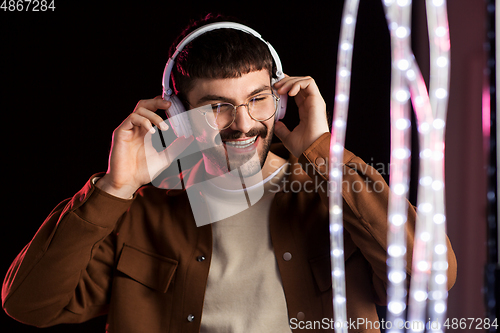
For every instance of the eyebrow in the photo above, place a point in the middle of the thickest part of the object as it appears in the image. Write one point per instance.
(207, 98)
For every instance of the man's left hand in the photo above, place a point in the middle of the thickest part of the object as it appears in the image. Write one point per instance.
(312, 114)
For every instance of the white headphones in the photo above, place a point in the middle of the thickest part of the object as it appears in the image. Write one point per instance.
(177, 117)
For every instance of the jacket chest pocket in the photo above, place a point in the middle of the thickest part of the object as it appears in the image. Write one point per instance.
(149, 269)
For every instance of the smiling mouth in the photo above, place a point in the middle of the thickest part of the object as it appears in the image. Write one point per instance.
(241, 143)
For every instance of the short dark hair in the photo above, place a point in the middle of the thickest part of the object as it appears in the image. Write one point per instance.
(221, 53)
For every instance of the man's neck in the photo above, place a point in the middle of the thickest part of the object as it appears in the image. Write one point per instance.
(272, 163)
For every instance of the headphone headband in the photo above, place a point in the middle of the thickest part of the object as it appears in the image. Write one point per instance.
(167, 91)
(177, 117)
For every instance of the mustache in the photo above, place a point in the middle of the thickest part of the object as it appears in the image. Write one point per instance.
(232, 135)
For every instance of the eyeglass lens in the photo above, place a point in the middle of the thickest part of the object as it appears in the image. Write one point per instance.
(261, 108)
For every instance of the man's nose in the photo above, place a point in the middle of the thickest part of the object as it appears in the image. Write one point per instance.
(242, 121)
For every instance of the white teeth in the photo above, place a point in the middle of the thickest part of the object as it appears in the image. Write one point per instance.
(242, 143)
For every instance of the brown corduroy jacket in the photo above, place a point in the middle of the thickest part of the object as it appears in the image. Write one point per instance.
(145, 263)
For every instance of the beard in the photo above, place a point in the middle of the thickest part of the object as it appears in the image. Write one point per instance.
(249, 163)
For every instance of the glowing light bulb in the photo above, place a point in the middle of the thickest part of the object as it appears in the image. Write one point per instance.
(424, 127)
(339, 123)
(425, 181)
(403, 64)
(398, 219)
(438, 218)
(349, 19)
(399, 189)
(435, 295)
(346, 46)
(337, 272)
(337, 210)
(441, 93)
(338, 148)
(419, 100)
(340, 299)
(420, 296)
(403, 3)
(396, 277)
(440, 249)
(438, 123)
(410, 74)
(344, 72)
(440, 265)
(440, 278)
(395, 307)
(426, 153)
(437, 185)
(395, 250)
(337, 252)
(402, 124)
(342, 98)
(442, 61)
(440, 307)
(440, 31)
(401, 153)
(402, 95)
(437, 155)
(335, 228)
(425, 207)
(422, 265)
(402, 32)
(425, 236)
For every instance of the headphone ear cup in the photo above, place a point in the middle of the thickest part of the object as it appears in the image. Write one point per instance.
(281, 111)
(178, 117)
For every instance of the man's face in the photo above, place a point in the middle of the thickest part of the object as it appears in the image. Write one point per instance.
(245, 143)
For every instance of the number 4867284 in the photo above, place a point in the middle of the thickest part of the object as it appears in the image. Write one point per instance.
(27, 5)
(470, 323)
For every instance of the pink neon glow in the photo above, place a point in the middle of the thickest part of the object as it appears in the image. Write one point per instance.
(486, 113)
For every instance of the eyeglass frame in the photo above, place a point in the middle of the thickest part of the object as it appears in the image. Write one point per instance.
(235, 109)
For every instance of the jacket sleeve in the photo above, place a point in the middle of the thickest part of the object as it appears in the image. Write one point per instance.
(366, 196)
(64, 274)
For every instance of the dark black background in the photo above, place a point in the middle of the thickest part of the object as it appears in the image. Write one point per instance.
(69, 78)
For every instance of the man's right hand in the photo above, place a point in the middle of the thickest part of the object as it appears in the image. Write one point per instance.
(127, 165)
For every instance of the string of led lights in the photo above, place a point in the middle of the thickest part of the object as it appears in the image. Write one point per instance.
(429, 265)
(341, 104)
(398, 14)
(439, 87)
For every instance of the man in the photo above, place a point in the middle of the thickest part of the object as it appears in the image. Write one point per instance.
(135, 252)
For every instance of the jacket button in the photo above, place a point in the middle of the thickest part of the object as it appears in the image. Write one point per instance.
(301, 316)
(190, 318)
(200, 258)
(287, 256)
(321, 163)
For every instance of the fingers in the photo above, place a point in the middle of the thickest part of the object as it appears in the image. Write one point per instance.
(293, 85)
(142, 119)
(149, 119)
(145, 117)
(311, 110)
(153, 104)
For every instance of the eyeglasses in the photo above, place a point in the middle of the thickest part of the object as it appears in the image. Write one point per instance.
(260, 108)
